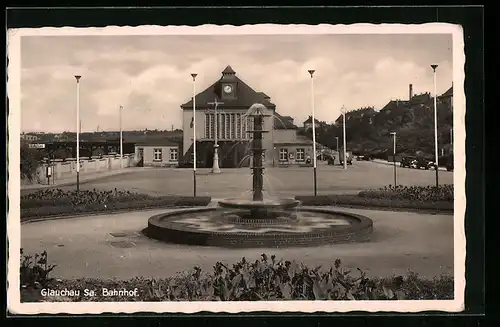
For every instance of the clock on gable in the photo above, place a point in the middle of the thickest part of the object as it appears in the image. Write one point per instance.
(228, 90)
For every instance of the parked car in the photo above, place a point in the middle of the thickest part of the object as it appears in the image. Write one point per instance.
(331, 160)
(348, 155)
(408, 162)
(363, 157)
(449, 165)
(425, 163)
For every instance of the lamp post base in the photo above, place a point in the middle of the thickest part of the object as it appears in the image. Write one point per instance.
(215, 167)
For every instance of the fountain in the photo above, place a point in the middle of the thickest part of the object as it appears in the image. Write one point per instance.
(259, 221)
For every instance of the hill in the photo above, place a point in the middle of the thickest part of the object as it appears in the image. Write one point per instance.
(368, 131)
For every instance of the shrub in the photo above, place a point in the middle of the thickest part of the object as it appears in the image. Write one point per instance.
(264, 279)
(35, 270)
(360, 201)
(412, 193)
(54, 197)
(399, 197)
(54, 202)
(30, 161)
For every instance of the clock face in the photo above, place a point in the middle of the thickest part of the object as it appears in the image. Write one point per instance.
(228, 88)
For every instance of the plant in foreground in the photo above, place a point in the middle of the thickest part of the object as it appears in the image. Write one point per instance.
(264, 279)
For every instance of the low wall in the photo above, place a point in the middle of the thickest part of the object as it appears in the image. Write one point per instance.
(67, 168)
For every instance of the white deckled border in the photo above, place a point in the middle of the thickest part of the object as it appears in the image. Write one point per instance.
(13, 219)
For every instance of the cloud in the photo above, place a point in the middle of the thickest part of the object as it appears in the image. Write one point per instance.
(150, 75)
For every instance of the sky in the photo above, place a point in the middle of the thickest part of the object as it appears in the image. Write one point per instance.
(150, 75)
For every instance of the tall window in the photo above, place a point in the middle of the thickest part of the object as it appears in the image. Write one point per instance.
(301, 154)
(244, 133)
(207, 126)
(157, 155)
(174, 154)
(283, 154)
(222, 126)
(250, 123)
(227, 127)
(238, 126)
(233, 125)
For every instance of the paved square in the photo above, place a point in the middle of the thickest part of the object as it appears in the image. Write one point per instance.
(286, 182)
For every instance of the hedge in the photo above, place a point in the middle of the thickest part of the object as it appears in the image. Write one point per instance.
(390, 197)
(168, 202)
(358, 201)
(264, 279)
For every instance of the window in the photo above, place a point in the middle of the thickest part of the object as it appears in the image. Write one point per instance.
(283, 154)
(227, 126)
(174, 154)
(157, 155)
(301, 154)
(244, 123)
(233, 125)
(222, 126)
(238, 126)
(207, 126)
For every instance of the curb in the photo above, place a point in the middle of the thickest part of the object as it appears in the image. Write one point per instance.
(387, 163)
(400, 209)
(213, 205)
(101, 213)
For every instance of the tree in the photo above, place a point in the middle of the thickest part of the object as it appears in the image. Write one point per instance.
(30, 161)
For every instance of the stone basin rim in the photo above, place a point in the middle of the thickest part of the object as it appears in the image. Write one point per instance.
(362, 223)
(264, 204)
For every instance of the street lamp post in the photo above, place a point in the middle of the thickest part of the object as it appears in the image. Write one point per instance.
(78, 132)
(121, 139)
(436, 153)
(311, 72)
(451, 138)
(194, 133)
(394, 158)
(338, 153)
(215, 165)
(344, 137)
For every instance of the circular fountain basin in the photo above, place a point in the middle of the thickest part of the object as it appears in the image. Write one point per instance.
(231, 228)
(245, 204)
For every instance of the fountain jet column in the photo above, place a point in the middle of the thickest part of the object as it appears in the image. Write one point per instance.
(257, 150)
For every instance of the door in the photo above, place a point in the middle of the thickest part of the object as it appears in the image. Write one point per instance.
(140, 156)
(209, 157)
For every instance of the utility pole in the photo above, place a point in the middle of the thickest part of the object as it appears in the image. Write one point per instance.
(78, 122)
(343, 128)
(194, 133)
(436, 150)
(311, 72)
(121, 139)
(394, 158)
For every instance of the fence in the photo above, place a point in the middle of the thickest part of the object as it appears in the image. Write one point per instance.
(62, 169)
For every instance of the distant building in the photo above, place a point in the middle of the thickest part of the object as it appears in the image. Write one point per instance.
(308, 123)
(28, 137)
(365, 114)
(447, 98)
(157, 153)
(281, 143)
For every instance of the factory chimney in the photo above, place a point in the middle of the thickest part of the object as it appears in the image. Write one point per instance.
(410, 92)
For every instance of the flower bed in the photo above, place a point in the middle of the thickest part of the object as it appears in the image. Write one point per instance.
(400, 197)
(412, 193)
(55, 202)
(264, 279)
